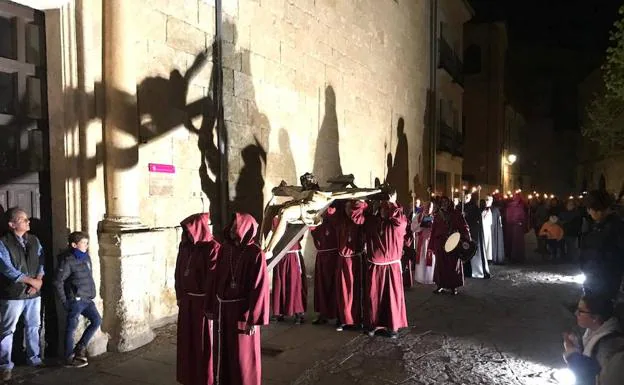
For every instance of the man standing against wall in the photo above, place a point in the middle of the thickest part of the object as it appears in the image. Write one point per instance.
(21, 277)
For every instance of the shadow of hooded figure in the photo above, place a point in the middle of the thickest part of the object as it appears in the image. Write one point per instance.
(398, 171)
(250, 184)
(327, 152)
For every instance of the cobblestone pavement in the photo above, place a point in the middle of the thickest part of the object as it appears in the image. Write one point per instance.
(500, 331)
(505, 330)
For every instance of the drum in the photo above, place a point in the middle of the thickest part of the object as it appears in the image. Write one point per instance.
(460, 248)
(451, 243)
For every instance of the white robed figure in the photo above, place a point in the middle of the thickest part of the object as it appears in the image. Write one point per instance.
(425, 259)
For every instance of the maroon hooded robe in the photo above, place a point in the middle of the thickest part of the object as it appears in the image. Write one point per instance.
(409, 258)
(194, 279)
(516, 225)
(290, 292)
(449, 270)
(385, 299)
(326, 243)
(242, 298)
(349, 268)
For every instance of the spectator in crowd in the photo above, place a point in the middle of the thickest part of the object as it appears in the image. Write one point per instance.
(553, 233)
(602, 247)
(598, 357)
(571, 221)
(21, 278)
(75, 289)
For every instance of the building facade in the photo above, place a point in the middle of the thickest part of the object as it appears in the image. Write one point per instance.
(450, 83)
(127, 116)
(484, 104)
(595, 170)
(513, 175)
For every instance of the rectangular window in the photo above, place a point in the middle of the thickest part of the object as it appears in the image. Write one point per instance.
(7, 38)
(33, 44)
(7, 93)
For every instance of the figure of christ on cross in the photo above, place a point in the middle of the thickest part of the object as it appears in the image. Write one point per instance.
(307, 208)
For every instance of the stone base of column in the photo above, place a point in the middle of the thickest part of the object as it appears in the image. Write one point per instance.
(126, 260)
(98, 344)
(115, 224)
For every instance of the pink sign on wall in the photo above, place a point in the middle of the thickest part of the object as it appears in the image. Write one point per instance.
(161, 168)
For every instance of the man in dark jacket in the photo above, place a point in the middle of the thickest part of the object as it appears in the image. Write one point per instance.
(602, 247)
(76, 290)
(572, 221)
(21, 277)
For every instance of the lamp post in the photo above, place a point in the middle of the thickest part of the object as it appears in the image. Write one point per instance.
(507, 161)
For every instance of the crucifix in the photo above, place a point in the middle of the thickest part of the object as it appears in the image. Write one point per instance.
(304, 210)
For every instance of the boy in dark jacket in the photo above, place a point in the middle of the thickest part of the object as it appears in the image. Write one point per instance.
(76, 290)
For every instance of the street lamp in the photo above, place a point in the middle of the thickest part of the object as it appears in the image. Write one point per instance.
(511, 158)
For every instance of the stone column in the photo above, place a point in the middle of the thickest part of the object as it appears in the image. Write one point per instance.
(121, 119)
(126, 246)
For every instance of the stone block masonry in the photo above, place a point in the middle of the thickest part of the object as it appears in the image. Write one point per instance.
(280, 58)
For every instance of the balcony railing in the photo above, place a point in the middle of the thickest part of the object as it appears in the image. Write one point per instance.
(450, 140)
(450, 62)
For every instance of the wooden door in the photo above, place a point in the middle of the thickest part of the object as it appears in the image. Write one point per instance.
(24, 135)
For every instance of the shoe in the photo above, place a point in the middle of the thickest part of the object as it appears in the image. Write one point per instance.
(487, 276)
(39, 364)
(80, 354)
(7, 375)
(394, 335)
(277, 318)
(299, 319)
(339, 327)
(319, 321)
(454, 292)
(438, 291)
(371, 332)
(75, 363)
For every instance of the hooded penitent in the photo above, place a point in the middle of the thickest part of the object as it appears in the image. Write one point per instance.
(326, 243)
(385, 300)
(516, 225)
(290, 291)
(194, 286)
(448, 271)
(242, 301)
(349, 272)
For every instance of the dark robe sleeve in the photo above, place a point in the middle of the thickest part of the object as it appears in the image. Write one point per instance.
(398, 220)
(258, 313)
(459, 224)
(178, 273)
(210, 282)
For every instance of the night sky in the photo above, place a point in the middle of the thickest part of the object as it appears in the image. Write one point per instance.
(553, 45)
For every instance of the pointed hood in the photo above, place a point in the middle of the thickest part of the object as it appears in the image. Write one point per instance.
(357, 211)
(245, 229)
(197, 226)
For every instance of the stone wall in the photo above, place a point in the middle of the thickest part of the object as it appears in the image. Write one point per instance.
(609, 167)
(312, 86)
(308, 86)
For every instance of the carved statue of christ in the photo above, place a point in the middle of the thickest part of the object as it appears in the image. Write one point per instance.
(307, 208)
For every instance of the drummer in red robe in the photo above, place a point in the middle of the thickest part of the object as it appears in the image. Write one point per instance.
(326, 243)
(385, 300)
(241, 304)
(349, 268)
(290, 291)
(194, 279)
(449, 270)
